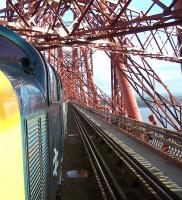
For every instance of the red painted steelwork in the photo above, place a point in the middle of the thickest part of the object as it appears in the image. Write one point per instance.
(69, 31)
(129, 98)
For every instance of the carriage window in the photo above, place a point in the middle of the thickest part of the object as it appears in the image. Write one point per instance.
(10, 50)
(58, 85)
(53, 85)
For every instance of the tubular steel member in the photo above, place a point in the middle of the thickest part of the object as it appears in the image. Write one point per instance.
(89, 70)
(178, 6)
(113, 27)
(130, 101)
(117, 95)
(121, 88)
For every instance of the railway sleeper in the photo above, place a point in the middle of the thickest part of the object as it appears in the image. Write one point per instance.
(169, 189)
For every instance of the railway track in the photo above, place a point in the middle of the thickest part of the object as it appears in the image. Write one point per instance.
(120, 173)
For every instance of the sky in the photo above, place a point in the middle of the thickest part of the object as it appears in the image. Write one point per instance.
(102, 71)
(170, 73)
(2, 3)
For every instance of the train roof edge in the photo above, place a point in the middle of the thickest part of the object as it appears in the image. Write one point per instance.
(32, 54)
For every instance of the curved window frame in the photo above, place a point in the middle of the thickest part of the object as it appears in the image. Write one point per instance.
(11, 48)
(54, 96)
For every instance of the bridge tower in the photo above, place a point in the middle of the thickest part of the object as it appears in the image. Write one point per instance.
(136, 38)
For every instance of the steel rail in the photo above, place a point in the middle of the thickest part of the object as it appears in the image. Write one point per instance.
(157, 134)
(109, 187)
(161, 189)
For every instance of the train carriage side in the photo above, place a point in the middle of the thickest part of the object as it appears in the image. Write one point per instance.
(56, 129)
(30, 122)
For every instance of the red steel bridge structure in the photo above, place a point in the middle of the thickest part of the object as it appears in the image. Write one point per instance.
(134, 40)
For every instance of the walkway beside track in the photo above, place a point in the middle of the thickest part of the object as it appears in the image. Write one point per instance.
(169, 169)
(79, 179)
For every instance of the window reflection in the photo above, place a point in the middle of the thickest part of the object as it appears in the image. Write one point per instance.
(53, 85)
(10, 50)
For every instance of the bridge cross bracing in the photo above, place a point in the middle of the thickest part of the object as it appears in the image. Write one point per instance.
(134, 40)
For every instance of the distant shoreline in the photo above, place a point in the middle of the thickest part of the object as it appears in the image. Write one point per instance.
(142, 104)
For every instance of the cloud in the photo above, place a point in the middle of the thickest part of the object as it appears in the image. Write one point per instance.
(2, 4)
(170, 73)
(102, 71)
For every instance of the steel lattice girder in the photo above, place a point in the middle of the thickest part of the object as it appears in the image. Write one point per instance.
(111, 26)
